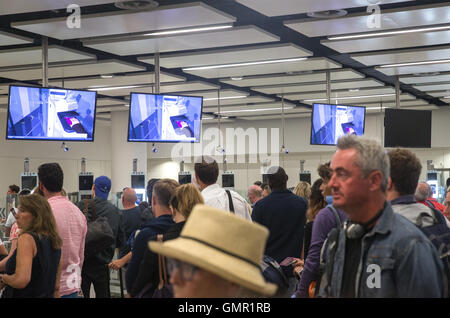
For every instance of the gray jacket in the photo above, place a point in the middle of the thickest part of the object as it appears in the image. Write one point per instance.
(397, 260)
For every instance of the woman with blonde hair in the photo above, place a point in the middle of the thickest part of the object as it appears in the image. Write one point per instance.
(33, 270)
(181, 203)
(303, 189)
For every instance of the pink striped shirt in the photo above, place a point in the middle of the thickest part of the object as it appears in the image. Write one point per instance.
(72, 229)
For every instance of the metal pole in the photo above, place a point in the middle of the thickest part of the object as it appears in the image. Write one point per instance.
(397, 92)
(44, 61)
(157, 73)
(328, 79)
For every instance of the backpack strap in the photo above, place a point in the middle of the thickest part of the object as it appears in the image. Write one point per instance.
(87, 203)
(326, 268)
(429, 204)
(336, 214)
(230, 201)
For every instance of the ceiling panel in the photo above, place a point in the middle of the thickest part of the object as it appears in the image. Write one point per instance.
(22, 6)
(124, 22)
(257, 105)
(427, 88)
(435, 78)
(291, 79)
(284, 7)
(263, 111)
(12, 39)
(439, 93)
(416, 55)
(317, 87)
(239, 101)
(306, 65)
(414, 69)
(389, 42)
(362, 101)
(164, 88)
(271, 117)
(109, 102)
(259, 53)
(361, 92)
(117, 80)
(3, 100)
(390, 19)
(101, 67)
(213, 39)
(34, 56)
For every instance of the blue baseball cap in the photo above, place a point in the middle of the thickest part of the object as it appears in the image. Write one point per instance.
(102, 187)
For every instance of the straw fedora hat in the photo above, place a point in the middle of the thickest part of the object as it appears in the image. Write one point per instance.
(223, 244)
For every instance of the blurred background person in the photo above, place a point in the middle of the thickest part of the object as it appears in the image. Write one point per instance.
(303, 189)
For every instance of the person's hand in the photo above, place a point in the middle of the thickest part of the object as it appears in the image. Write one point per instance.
(2, 284)
(116, 264)
(297, 266)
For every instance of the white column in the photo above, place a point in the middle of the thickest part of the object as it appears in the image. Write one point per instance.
(123, 153)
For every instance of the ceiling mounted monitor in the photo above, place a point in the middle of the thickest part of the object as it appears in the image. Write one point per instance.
(407, 128)
(39, 113)
(164, 118)
(330, 122)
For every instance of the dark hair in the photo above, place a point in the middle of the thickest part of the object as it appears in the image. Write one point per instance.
(316, 201)
(324, 171)
(25, 192)
(150, 185)
(51, 176)
(14, 188)
(164, 189)
(207, 171)
(405, 170)
(277, 178)
(258, 183)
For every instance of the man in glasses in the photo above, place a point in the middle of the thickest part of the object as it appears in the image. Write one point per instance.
(209, 260)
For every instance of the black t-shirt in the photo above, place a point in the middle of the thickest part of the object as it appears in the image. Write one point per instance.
(352, 258)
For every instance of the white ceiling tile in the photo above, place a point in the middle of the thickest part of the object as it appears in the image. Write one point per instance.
(426, 79)
(12, 39)
(357, 23)
(213, 39)
(23, 6)
(34, 56)
(101, 67)
(414, 69)
(284, 7)
(306, 65)
(257, 53)
(109, 102)
(415, 55)
(340, 94)
(309, 77)
(239, 101)
(427, 88)
(124, 22)
(389, 42)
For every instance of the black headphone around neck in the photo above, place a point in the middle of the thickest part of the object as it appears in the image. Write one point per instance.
(355, 230)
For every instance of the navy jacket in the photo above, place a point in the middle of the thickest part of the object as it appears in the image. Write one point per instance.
(154, 227)
(284, 214)
(131, 221)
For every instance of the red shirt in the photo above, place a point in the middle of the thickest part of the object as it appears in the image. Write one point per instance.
(434, 204)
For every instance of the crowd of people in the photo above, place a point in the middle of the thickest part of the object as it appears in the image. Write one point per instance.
(366, 228)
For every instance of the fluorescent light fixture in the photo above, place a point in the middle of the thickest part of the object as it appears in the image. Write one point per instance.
(254, 110)
(211, 67)
(112, 88)
(387, 33)
(107, 76)
(229, 97)
(371, 108)
(348, 97)
(415, 63)
(189, 30)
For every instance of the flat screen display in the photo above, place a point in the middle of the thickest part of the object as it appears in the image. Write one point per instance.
(164, 118)
(228, 181)
(330, 122)
(138, 181)
(184, 178)
(85, 183)
(37, 113)
(28, 182)
(407, 128)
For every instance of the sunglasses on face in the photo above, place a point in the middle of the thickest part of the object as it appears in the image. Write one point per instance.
(186, 271)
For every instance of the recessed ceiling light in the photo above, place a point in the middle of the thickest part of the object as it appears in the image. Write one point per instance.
(107, 76)
(329, 14)
(415, 63)
(210, 67)
(236, 78)
(189, 30)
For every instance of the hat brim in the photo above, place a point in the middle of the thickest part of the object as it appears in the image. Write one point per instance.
(217, 262)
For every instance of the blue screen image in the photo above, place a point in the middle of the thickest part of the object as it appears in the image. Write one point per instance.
(164, 118)
(330, 122)
(51, 114)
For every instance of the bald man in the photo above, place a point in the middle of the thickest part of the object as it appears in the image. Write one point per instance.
(424, 195)
(254, 194)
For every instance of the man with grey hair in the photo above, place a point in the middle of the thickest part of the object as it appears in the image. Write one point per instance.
(376, 253)
(424, 195)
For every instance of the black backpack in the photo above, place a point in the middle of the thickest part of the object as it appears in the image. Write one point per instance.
(99, 234)
(273, 273)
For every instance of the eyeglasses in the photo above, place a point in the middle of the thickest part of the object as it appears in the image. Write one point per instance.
(186, 271)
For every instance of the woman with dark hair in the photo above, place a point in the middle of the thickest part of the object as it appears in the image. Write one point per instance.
(316, 203)
(33, 270)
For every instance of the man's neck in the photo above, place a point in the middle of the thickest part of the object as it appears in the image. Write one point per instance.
(204, 186)
(159, 211)
(129, 206)
(364, 212)
(49, 195)
(392, 195)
